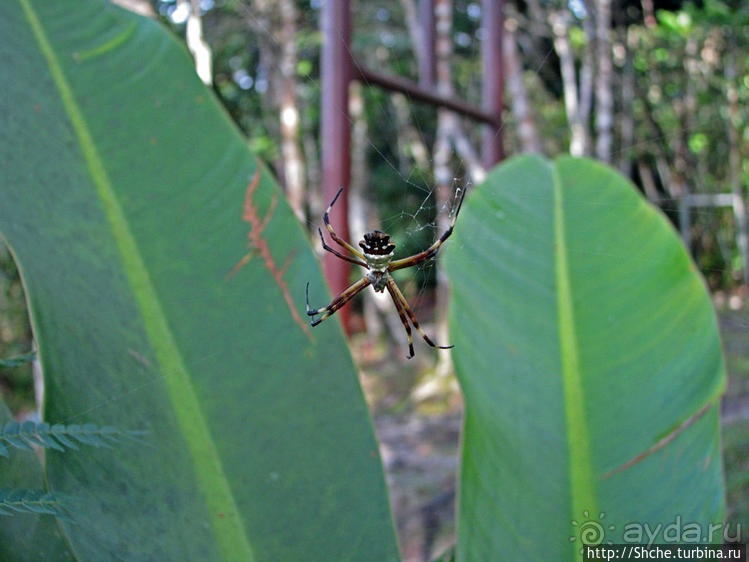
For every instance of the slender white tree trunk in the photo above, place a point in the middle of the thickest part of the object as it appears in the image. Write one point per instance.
(587, 65)
(559, 21)
(196, 43)
(275, 26)
(521, 107)
(142, 7)
(293, 161)
(603, 79)
(443, 173)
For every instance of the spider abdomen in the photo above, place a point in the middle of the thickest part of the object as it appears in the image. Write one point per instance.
(378, 279)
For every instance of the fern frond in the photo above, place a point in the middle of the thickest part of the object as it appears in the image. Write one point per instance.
(31, 501)
(17, 360)
(59, 436)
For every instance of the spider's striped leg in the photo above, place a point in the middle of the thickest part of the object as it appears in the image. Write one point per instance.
(431, 251)
(337, 302)
(397, 295)
(339, 254)
(340, 241)
(404, 320)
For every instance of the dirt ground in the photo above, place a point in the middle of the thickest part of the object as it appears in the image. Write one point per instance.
(418, 419)
(734, 327)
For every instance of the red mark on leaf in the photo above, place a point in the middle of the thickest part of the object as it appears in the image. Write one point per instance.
(260, 247)
(663, 442)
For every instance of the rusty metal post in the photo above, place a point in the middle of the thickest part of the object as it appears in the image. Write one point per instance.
(335, 132)
(416, 92)
(491, 59)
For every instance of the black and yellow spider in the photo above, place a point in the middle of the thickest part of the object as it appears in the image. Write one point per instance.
(378, 260)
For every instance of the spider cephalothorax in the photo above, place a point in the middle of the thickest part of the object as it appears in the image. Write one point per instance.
(378, 260)
(378, 253)
(377, 243)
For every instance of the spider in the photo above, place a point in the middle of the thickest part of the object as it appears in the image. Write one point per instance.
(377, 258)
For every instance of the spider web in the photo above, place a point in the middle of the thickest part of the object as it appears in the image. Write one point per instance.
(423, 205)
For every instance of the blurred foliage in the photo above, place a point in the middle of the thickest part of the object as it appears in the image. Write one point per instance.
(16, 384)
(701, 52)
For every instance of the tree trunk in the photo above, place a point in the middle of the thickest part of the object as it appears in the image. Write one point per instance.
(314, 176)
(466, 151)
(259, 18)
(142, 7)
(661, 151)
(359, 217)
(681, 169)
(411, 147)
(648, 13)
(362, 218)
(293, 161)
(684, 109)
(734, 165)
(521, 107)
(536, 29)
(196, 44)
(604, 74)
(692, 67)
(648, 183)
(627, 119)
(275, 26)
(578, 130)
(443, 173)
(415, 32)
(587, 66)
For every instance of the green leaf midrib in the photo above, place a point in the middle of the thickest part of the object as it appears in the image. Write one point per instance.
(221, 505)
(582, 493)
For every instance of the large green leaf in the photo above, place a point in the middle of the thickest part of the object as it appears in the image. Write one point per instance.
(127, 197)
(583, 337)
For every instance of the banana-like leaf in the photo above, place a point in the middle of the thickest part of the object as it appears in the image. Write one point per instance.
(589, 356)
(165, 278)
